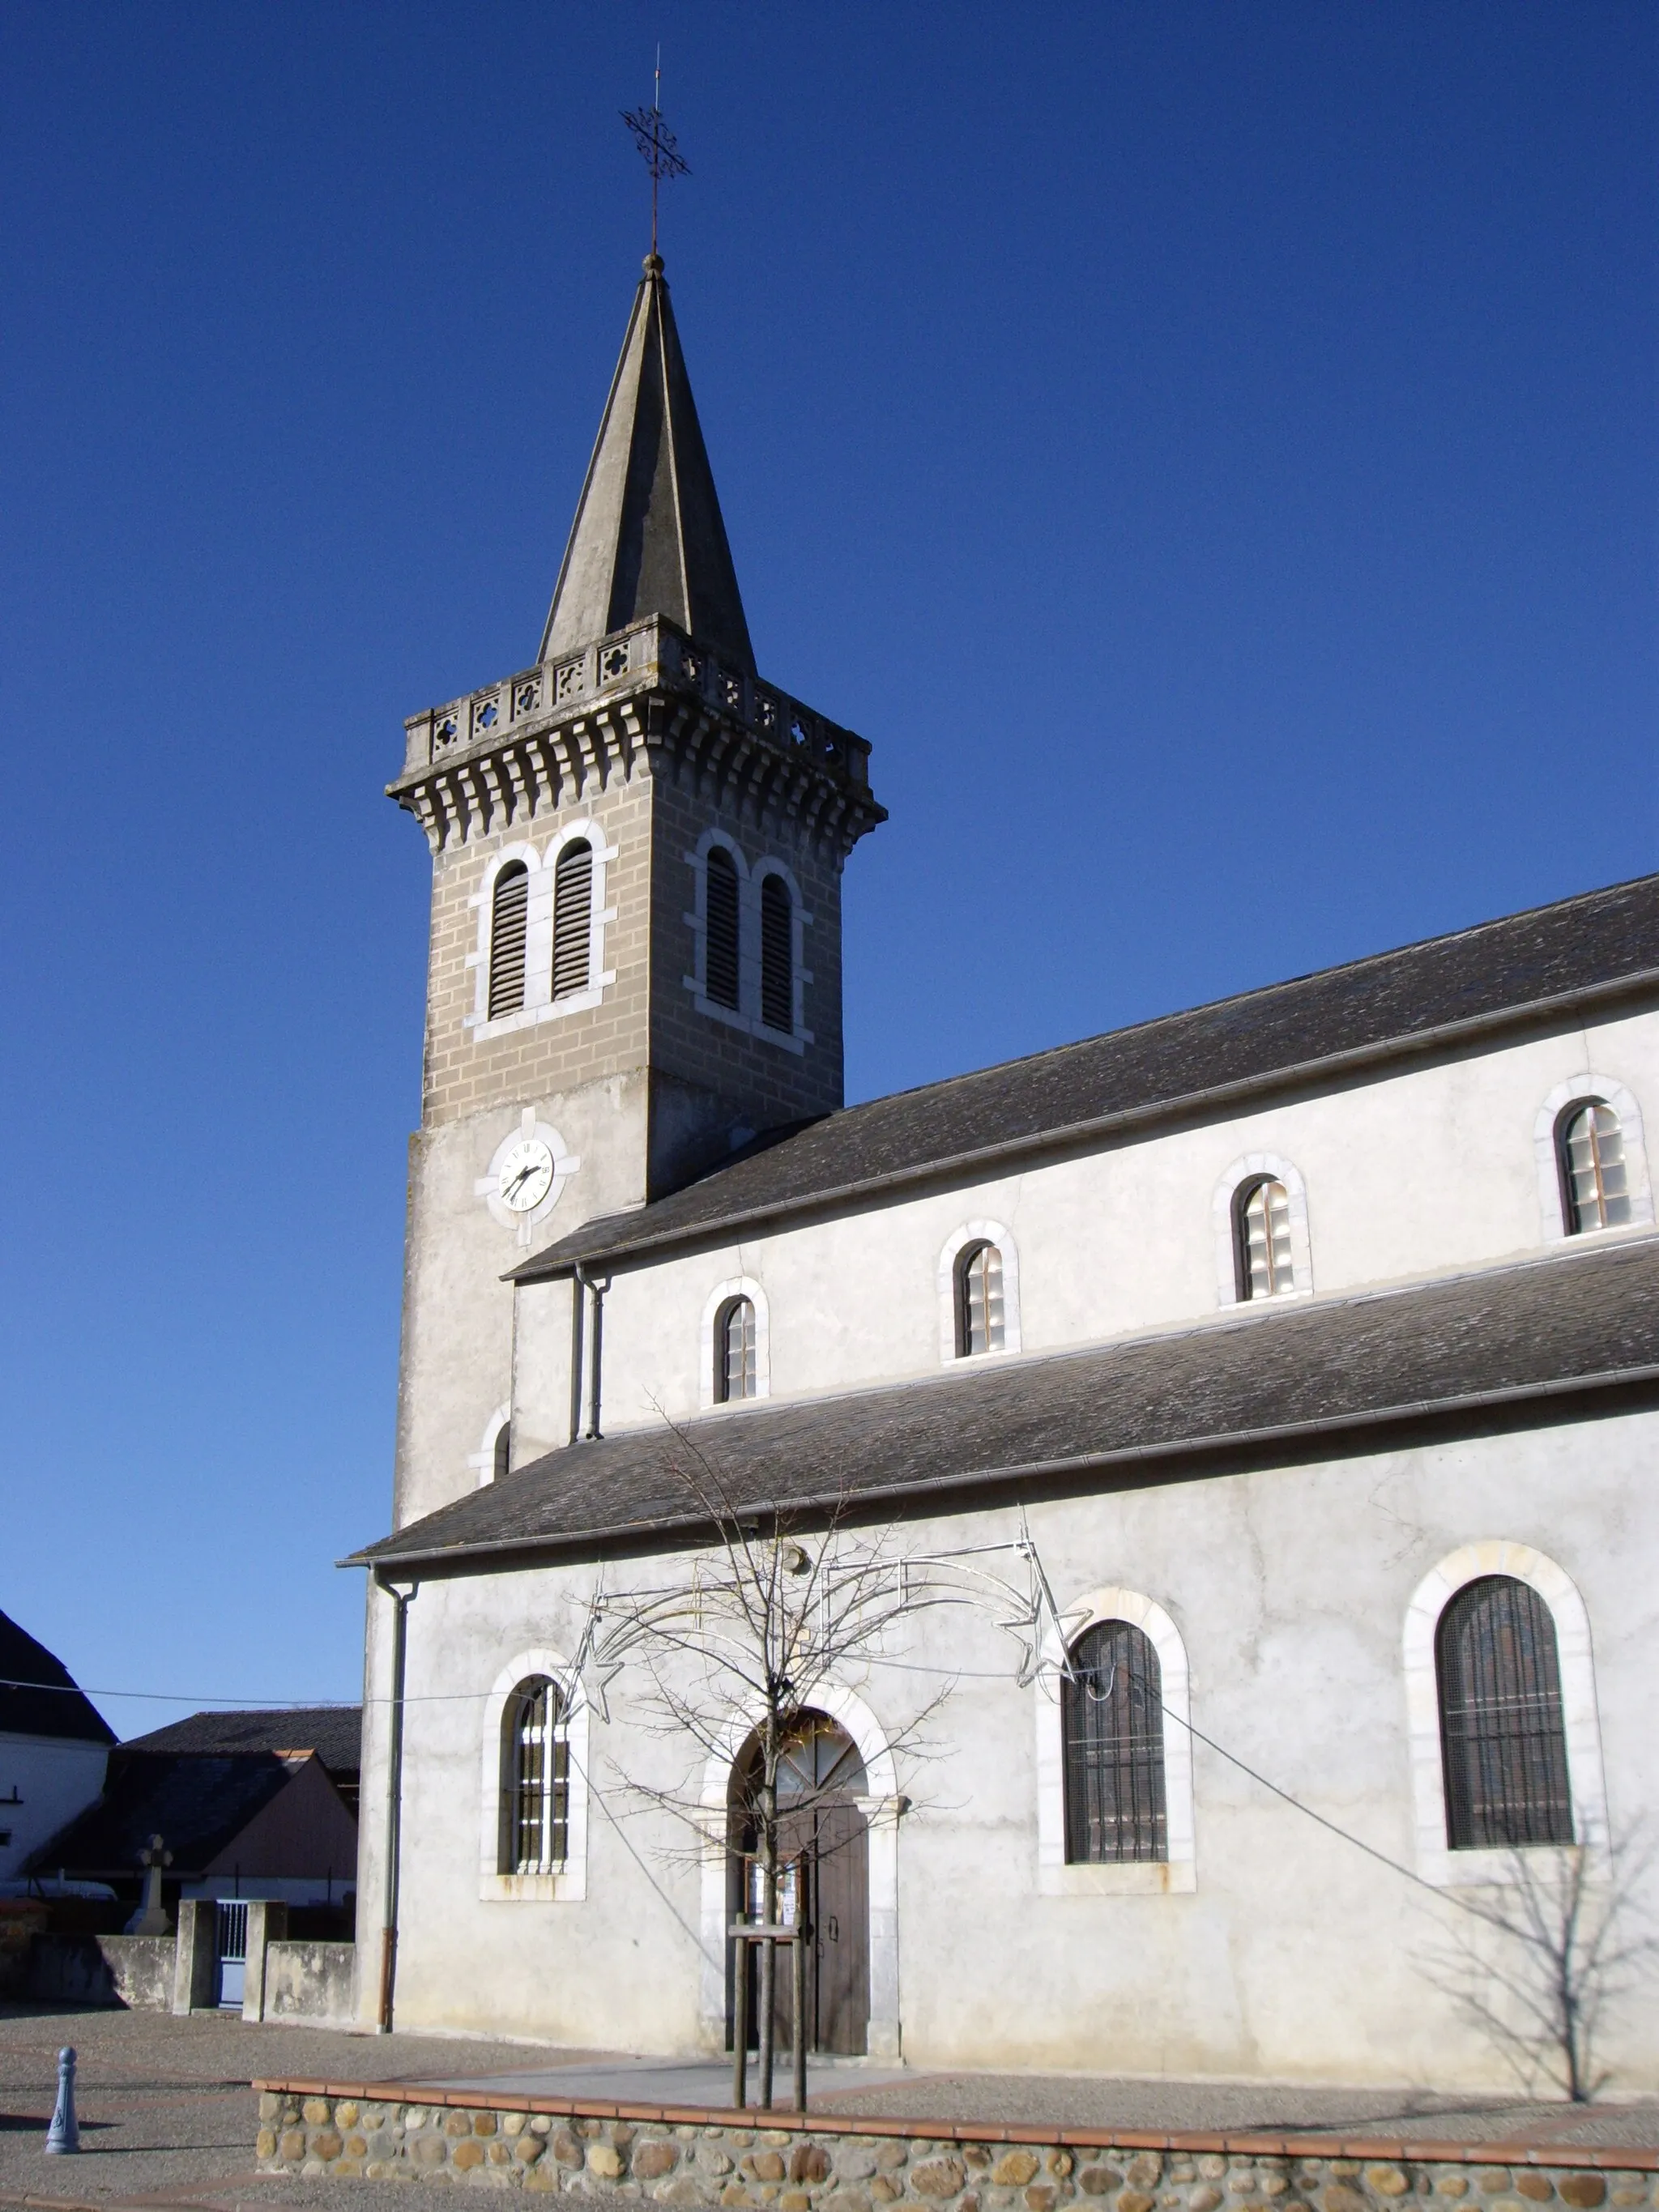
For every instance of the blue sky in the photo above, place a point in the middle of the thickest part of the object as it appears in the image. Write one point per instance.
(1208, 449)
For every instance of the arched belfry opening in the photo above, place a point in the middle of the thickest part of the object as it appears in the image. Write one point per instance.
(823, 1848)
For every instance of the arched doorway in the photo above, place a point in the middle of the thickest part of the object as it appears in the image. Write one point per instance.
(822, 1833)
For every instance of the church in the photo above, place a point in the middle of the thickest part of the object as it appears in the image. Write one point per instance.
(1249, 1416)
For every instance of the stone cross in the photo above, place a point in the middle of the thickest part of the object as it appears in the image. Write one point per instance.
(152, 1919)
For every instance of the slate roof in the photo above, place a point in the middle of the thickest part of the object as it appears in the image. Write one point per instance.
(335, 1733)
(1550, 959)
(650, 538)
(197, 1804)
(1276, 1375)
(39, 1695)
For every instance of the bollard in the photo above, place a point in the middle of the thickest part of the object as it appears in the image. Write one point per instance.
(64, 2133)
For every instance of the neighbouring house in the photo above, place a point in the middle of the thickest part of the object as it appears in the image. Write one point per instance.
(1283, 1374)
(53, 1746)
(249, 1804)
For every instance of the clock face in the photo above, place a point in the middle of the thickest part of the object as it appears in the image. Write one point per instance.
(525, 1176)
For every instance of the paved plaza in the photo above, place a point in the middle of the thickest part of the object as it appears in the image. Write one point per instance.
(167, 2117)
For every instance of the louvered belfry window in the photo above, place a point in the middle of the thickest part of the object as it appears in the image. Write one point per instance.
(777, 956)
(1265, 1268)
(1502, 1738)
(573, 917)
(734, 1351)
(1593, 1169)
(720, 927)
(537, 1758)
(979, 1301)
(508, 905)
(1112, 1720)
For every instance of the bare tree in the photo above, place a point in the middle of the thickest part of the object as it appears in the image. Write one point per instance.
(728, 1656)
(1536, 1959)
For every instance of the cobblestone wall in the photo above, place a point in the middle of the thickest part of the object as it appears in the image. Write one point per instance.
(864, 2166)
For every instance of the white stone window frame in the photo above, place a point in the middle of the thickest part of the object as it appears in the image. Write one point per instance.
(539, 1004)
(1586, 1089)
(568, 1886)
(1176, 1875)
(959, 1240)
(734, 1286)
(1437, 1862)
(1250, 1168)
(746, 1014)
(481, 1462)
(882, 1807)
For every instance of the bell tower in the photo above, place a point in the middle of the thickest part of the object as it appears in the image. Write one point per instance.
(635, 960)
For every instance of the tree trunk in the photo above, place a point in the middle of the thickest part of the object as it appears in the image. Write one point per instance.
(768, 1851)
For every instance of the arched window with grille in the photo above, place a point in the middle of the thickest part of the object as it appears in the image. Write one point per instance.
(1502, 1738)
(1594, 1177)
(509, 907)
(736, 1367)
(535, 1780)
(1112, 1734)
(1265, 1262)
(777, 954)
(979, 1301)
(720, 932)
(573, 918)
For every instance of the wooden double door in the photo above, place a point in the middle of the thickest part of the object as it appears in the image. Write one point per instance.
(824, 1840)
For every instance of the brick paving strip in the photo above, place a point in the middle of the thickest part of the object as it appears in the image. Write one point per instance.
(830, 2161)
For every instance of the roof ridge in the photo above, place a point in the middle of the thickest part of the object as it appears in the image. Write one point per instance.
(1437, 1014)
(1238, 998)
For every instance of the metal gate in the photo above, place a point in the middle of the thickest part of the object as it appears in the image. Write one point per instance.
(231, 1951)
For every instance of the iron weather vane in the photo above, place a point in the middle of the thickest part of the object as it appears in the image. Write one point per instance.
(656, 142)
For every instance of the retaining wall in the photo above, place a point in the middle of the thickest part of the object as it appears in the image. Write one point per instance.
(134, 1970)
(794, 2163)
(310, 1981)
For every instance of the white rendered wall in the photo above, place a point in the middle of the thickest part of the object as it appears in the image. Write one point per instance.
(1292, 1954)
(44, 1784)
(1428, 1171)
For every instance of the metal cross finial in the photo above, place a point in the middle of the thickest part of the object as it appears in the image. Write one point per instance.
(656, 142)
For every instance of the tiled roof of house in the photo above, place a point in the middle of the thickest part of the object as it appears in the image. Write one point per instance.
(335, 1733)
(39, 1696)
(1551, 959)
(1272, 1378)
(197, 1804)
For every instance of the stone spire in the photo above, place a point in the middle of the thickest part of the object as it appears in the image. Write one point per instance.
(648, 538)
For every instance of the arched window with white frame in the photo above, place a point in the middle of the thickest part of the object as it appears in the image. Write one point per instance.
(509, 908)
(721, 929)
(1113, 1752)
(978, 1291)
(736, 1371)
(1503, 1740)
(734, 1350)
(1594, 1174)
(1262, 1247)
(979, 1301)
(573, 918)
(535, 1827)
(1262, 1218)
(1592, 1158)
(1112, 1724)
(777, 936)
(542, 919)
(1504, 1733)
